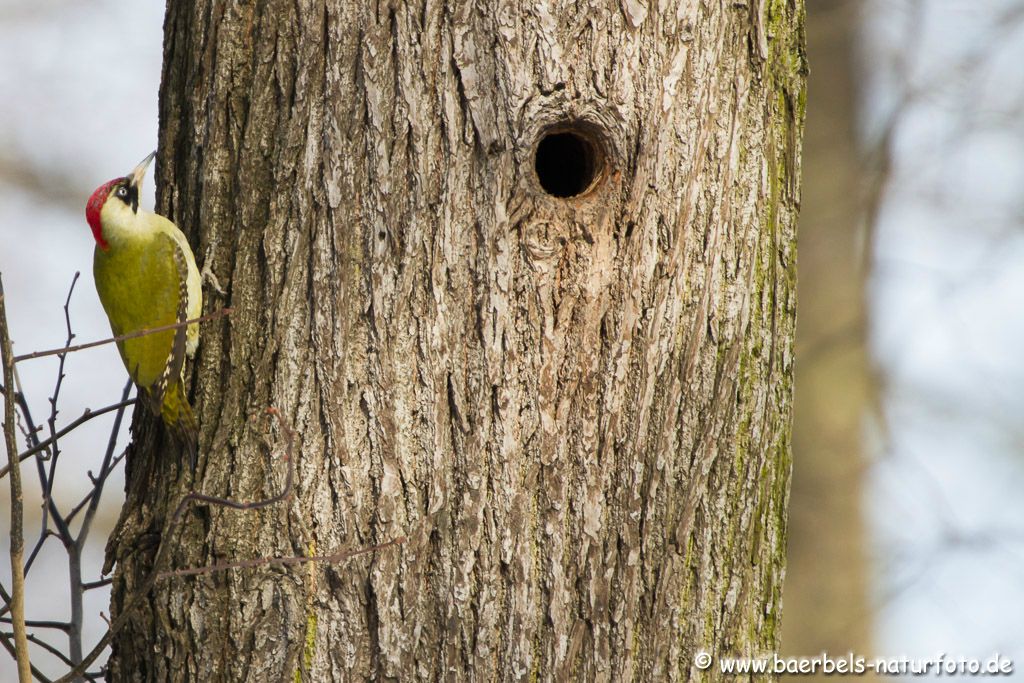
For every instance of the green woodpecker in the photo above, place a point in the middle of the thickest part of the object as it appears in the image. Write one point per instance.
(146, 277)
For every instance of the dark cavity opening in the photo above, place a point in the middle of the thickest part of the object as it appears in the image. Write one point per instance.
(568, 162)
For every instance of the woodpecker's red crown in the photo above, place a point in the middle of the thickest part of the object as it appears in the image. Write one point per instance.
(124, 189)
(95, 205)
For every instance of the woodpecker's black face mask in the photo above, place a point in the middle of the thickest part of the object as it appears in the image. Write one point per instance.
(128, 193)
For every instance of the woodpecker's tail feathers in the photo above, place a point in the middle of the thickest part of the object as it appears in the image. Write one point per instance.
(177, 415)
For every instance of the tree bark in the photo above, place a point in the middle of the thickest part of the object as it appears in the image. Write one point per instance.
(576, 410)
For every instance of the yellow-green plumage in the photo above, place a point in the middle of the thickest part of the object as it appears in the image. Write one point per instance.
(146, 277)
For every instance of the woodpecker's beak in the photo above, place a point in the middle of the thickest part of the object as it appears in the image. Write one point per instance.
(139, 172)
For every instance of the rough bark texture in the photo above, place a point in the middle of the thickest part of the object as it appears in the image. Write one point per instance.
(576, 410)
(827, 607)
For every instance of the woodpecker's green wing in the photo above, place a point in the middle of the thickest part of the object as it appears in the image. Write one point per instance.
(176, 361)
(143, 283)
(140, 284)
(193, 280)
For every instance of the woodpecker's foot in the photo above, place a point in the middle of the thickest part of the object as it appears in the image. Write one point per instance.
(207, 273)
(210, 279)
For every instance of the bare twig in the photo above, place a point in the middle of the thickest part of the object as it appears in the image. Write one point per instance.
(89, 496)
(105, 468)
(73, 544)
(5, 641)
(6, 597)
(75, 550)
(166, 542)
(50, 507)
(48, 449)
(44, 534)
(92, 585)
(32, 638)
(333, 558)
(33, 438)
(133, 335)
(38, 623)
(89, 414)
(47, 482)
(17, 602)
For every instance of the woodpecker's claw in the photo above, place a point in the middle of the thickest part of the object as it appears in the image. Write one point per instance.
(210, 279)
(207, 274)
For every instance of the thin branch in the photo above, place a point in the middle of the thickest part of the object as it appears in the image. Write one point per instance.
(33, 638)
(72, 544)
(77, 586)
(89, 414)
(92, 585)
(29, 436)
(46, 482)
(17, 603)
(334, 558)
(88, 497)
(105, 469)
(166, 542)
(5, 640)
(62, 530)
(36, 623)
(6, 597)
(23, 407)
(133, 335)
(31, 433)
(44, 534)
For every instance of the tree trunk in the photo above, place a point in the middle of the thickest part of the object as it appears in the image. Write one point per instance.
(575, 409)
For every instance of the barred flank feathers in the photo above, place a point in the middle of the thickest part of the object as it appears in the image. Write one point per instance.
(177, 415)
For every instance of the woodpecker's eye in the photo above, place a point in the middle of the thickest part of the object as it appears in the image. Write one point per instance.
(129, 194)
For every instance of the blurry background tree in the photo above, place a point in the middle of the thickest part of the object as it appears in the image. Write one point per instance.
(913, 166)
(942, 127)
(827, 572)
